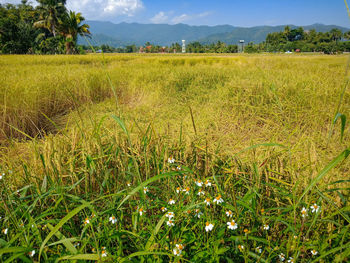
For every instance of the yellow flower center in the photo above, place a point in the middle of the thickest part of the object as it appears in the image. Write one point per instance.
(207, 223)
(233, 223)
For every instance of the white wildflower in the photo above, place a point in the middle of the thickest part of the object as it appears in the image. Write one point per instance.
(113, 219)
(232, 225)
(218, 200)
(315, 208)
(170, 223)
(209, 226)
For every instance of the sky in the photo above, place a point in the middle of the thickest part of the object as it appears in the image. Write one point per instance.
(244, 13)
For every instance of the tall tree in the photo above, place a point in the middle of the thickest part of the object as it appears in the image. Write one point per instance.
(17, 34)
(51, 12)
(286, 32)
(71, 26)
(336, 34)
(347, 35)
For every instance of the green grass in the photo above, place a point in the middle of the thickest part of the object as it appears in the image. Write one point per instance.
(256, 126)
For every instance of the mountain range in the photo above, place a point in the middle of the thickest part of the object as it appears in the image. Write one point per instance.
(123, 34)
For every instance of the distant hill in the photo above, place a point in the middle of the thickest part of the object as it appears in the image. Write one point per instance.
(162, 34)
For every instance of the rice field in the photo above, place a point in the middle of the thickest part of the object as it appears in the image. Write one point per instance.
(174, 158)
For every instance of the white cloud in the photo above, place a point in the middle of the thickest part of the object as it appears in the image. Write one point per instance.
(160, 18)
(181, 18)
(185, 17)
(204, 14)
(168, 17)
(100, 9)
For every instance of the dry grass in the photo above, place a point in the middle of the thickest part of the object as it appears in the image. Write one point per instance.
(237, 101)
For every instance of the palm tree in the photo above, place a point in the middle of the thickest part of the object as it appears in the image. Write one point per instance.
(287, 31)
(70, 27)
(50, 14)
(347, 35)
(336, 34)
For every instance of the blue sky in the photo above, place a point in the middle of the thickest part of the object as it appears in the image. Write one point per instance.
(213, 12)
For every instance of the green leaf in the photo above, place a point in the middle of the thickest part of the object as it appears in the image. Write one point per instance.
(63, 240)
(122, 125)
(155, 232)
(13, 250)
(256, 256)
(345, 216)
(145, 183)
(60, 224)
(222, 250)
(343, 123)
(81, 257)
(329, 252)
(21, 256)
(144, 253)
(331, 165)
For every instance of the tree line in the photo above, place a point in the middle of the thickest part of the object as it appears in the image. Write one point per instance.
(194, 47)
(304, 41)
(48, 28)
(294, 40)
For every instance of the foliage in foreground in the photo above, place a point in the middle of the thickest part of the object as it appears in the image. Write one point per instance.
(148, 201)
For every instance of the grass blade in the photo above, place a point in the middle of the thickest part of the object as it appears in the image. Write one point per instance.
(331, 165)
(60, 224)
